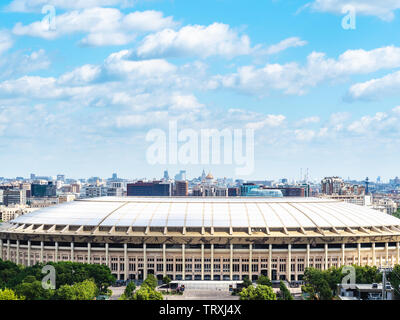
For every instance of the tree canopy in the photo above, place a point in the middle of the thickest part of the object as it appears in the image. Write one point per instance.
(150, 281)
(261, 292)
(147, 293)
(75, 279)
(8, 294)
(264, 280)
(284, 293)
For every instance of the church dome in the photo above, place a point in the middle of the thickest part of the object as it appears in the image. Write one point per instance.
(210, 176)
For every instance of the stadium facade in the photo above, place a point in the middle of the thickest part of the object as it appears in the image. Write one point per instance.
(204, 238)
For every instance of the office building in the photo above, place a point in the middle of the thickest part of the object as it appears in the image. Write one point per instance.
(151, 189)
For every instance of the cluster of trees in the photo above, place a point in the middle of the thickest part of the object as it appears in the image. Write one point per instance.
(74, 281)
(322, 284)
(263, 290)
(147, 290)
(397, 213)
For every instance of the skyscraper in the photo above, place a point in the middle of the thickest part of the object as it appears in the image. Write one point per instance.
(166, 175)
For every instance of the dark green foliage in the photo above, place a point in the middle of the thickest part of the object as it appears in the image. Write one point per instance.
(264, 280)
(129, 290)
(246, 282)
(284, 293)
(26, 281)
(166, 280)
(150, 281)
(322, 284)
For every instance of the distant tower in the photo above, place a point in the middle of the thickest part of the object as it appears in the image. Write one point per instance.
(203, 175)
(166, 175)
(366, 185)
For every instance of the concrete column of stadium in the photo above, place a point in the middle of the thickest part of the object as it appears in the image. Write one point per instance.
(373, 254)
(1, 249)
(8, 249)
(270, 261)
(29, 253)
(359, 253)
(88, 252)
(250, 261)
(202, 261)
(308, 256)
(144, 262)
(126, 261)
(397, 252)
(17, 260)
(72, 252)
(107, 256)
(56, 252)
(231, 262)
(183, 262)
(212, 261)
(386, 252)
(289, 263)
(343, 254)
(164, 256)
(326, 256)
(41, 251)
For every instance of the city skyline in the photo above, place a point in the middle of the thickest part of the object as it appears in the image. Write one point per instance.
(81, 86)
(192, 176)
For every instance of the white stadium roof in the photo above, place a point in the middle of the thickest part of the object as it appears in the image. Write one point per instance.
(270, 213)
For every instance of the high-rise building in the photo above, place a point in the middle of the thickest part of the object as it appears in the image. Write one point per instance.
(61, 177)
(331, 185)
(181, 188)
(13, 197)
(43, 190)
(166, 175)
(94, 191)
(181, 176)
(155, 189)
(233, 192)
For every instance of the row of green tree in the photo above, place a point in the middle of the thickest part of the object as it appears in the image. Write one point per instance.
(322, 284)
(73, 281)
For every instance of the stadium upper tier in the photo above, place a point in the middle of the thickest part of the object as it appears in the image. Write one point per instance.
(148, 214)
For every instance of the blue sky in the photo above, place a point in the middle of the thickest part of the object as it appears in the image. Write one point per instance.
(79, 99)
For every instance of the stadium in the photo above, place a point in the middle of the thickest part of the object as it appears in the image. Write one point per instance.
(204, 238)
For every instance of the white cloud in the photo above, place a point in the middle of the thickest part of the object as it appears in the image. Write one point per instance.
(36, 5)
(375, 88)
(382, 9)
(396, 110)
(104, 26)
(309, 120)
(216, 39)
(6, 41)
(270, 120)
(304, 134)
(367, 123)
(81, 75)
(295, 79)
(285, 44)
